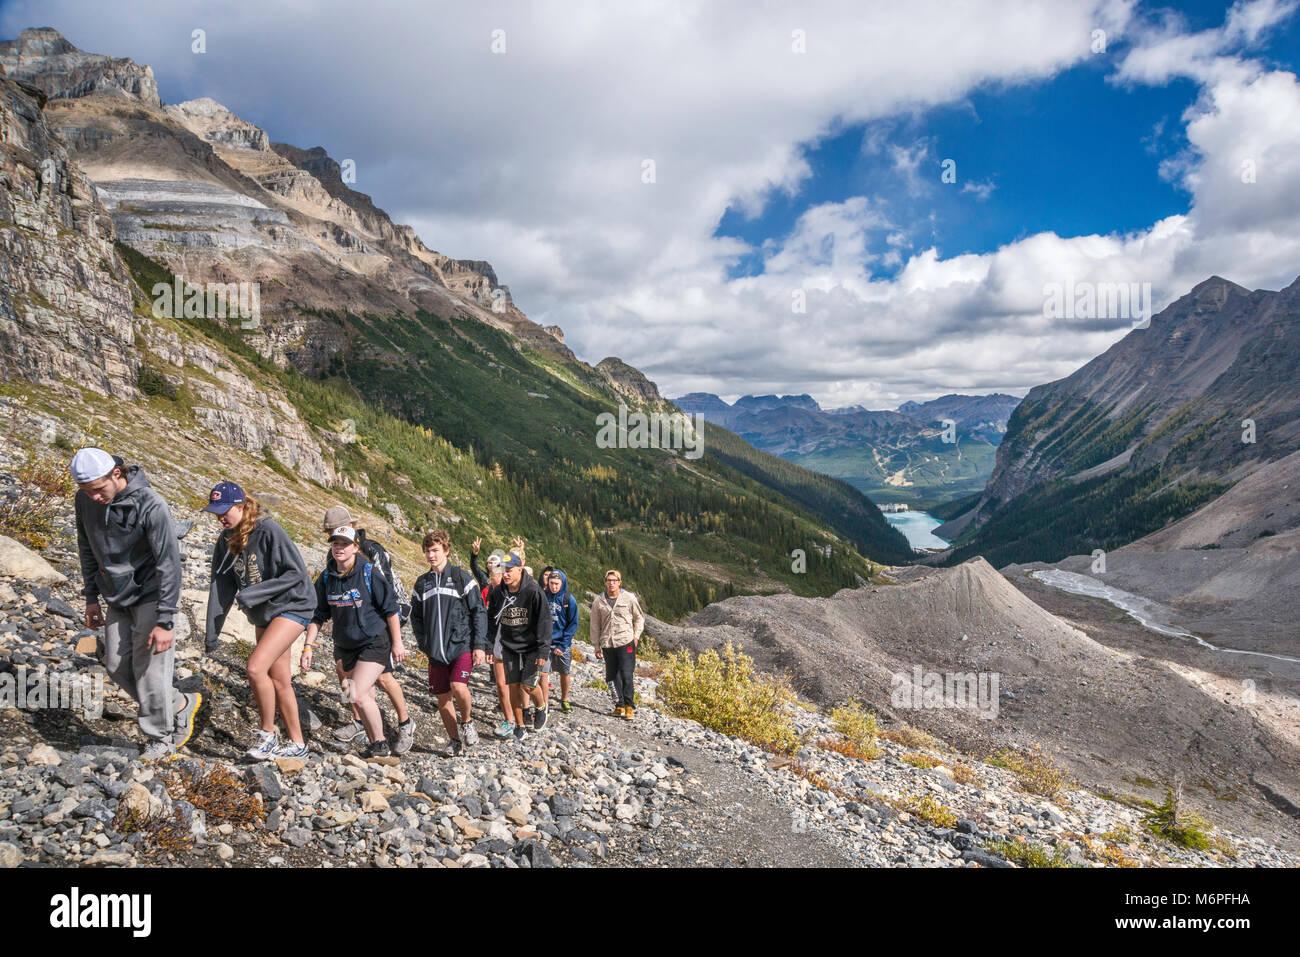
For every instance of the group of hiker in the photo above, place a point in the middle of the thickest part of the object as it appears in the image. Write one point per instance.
(522, 628)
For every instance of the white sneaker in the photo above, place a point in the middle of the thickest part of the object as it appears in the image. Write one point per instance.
(405, 736)
(350, 731)
(469, 734)
(290, 749)
(264, 749)
(159, 749)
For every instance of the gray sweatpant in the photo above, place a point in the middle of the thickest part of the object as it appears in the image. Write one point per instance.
(135, 669)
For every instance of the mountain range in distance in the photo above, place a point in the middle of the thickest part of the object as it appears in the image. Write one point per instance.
(922, 453)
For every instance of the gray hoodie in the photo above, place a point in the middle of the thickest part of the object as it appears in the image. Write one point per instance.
(267, 579)
(128, 548)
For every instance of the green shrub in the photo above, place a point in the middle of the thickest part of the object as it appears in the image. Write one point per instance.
(1022, 853)
(1037, 773)
(1174, 822)
(30, 517)
(928, 808)
(918, 760)
(722, 692)
(153, 382)
(910, 737)
(857, 725)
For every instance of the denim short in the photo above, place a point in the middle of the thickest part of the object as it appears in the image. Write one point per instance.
(298, 618)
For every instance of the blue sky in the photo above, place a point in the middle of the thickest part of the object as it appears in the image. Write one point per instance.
(782, 173)
(1072, 154)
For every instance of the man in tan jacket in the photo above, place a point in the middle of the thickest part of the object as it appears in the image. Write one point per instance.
(616, 625)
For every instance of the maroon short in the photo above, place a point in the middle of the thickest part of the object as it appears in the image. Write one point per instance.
(441, 676)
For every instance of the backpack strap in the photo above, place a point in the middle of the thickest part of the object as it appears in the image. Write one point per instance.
(366, 573)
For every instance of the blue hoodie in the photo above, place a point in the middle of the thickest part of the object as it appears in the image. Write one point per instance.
(564, 614)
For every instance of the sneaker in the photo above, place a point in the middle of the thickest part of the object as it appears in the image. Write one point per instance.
(267, 742)
(505, 729)
(528, 717)
(565, 707)
(469, 733)
(290, 749)
(376, 749)
(456, 748)
(519, 732)
(185, 720)
(539, 718)
(350, 731)
(159, 749)
(405, 736)
(308, 717)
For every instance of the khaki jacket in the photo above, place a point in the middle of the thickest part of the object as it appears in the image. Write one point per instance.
(618, 626)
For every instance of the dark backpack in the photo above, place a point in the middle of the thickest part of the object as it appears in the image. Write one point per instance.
(378, 556)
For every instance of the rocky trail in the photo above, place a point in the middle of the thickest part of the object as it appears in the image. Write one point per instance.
(590, 790)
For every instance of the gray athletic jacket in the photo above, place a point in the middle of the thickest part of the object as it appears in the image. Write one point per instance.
(128, 548)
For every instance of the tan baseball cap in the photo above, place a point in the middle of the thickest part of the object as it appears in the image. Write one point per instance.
(335, 516)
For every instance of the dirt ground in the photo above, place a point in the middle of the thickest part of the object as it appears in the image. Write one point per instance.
(1123, 710)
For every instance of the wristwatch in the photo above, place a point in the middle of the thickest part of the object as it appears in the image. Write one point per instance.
(165, 625)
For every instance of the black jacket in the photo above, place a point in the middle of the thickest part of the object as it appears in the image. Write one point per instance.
(479, 574)
(522, 618)
(378, 556)
(359, 608)
(128, 548)
(267, 579)
(447, 615)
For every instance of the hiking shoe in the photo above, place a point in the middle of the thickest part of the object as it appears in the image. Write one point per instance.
(350, 731)
(405, 735)
(376, 749)
(618, 711)
(290, 749)
(565, 707)
(528, 717)
(308, 717)
(159, 749)
(629, 713)
(540, 717)
(505, 729)
(519, 732)
(469, 734)
(185, 720)
(267, 742)
(456, 748)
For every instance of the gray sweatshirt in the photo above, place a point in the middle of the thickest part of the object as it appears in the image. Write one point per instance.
(128, 548)
(267, 579)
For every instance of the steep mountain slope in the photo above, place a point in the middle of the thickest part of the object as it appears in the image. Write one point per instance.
(892, 456)
(1162, 422)
(462, 415)
(1229, 572)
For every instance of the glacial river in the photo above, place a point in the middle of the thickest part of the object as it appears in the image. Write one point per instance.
(1150, 614)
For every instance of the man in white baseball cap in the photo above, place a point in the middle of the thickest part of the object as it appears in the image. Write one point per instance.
(130, 560)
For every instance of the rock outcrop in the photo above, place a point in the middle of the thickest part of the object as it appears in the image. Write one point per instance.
(65, 304)
(628, 382)
(43, 58)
